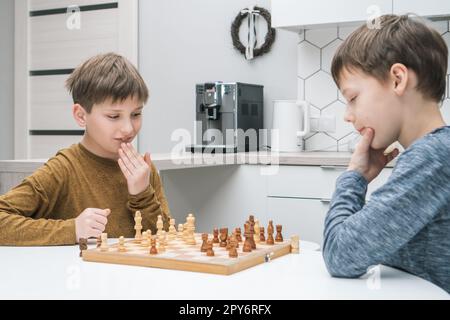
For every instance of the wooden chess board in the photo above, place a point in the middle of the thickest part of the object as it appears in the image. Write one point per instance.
(181, 256)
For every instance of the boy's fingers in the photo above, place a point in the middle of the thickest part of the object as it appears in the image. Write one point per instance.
(98, 226)
(366, 140)
(127, 158)
(133, 155)
(103, 212)
(101, 219)
(136, 154)
(124, 169)
(126, 161)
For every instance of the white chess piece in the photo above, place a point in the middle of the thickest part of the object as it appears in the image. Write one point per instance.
(122, 244)
(138, 225)
(172, 230)
(161, 242)
(180, 231)
(295, 244)
(104, 246)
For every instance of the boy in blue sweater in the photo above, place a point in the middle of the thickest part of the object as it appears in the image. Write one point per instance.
(393, 79)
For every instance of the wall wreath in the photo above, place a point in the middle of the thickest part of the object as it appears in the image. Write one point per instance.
(252, 51)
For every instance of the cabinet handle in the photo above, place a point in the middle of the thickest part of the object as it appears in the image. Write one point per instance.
(325, 200)
(333, 167)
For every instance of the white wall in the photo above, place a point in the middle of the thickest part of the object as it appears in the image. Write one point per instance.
(6, 79)
(187, 42)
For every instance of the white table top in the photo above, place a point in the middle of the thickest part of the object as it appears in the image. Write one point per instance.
(59, 273)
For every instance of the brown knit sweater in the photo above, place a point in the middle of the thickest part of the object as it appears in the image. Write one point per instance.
(42, 209)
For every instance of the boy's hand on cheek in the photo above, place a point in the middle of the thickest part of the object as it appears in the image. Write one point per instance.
(135, 168)
(367, 161)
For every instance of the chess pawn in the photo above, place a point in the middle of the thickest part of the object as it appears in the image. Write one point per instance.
(138, 225)
(279, 236)
(256, 228)
(238, 234)
(262, 237)
(232, 253)
(161, 246)
(247, 243)
(83, 245)
(144, 239)
(204, 246)
(234, 238)
(270, 239)
(99, 241)
(180, 231)
(223, 237)
(122, 244)
(228, 246)
(216, 236)
(295, 244)
(153, 249)
(172, 230)
(209, 250)
(104, 246)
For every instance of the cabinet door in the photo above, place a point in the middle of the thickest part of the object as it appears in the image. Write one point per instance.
(303, 217)
(423, 8)
(304, 181)
(294, 14)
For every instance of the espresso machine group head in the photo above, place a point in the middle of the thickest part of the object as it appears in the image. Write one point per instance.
(228, 117)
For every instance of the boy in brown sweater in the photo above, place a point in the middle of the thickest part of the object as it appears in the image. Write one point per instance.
(98, 184)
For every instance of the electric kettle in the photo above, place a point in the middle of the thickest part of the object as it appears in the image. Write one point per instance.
(291, 122)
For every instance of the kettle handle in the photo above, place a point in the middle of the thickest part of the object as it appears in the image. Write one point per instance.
(306, 120)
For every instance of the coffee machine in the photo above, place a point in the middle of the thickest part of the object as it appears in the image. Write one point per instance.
(229, 117)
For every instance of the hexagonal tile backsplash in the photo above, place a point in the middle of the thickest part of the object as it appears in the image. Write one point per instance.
(315, 84)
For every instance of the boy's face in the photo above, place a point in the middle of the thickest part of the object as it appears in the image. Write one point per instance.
(108, 125)
(371, 104)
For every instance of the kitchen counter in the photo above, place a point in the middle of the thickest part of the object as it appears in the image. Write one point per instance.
(59, 273)
(166, 161)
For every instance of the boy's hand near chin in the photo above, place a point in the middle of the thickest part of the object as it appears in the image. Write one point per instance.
(367, 161)
(135, 168)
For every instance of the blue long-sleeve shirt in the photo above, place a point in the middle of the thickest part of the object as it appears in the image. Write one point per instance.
(406, 222)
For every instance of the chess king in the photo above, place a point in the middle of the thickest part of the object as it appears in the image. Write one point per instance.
(97, 185)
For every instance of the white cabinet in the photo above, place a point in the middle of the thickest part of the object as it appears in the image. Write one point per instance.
(429, 8)
(298, 197)
(295, 15)
(304, 217)
(304, 181)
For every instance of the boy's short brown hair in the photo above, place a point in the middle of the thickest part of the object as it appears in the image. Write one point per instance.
(106, 76)
(401, 39)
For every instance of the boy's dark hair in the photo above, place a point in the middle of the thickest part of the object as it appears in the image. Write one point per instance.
(106, 76)
(401, 39)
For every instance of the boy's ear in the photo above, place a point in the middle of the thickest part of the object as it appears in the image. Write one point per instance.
(79, 114)
(399, 78)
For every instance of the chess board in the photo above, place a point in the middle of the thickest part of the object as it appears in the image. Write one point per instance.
(181, 256)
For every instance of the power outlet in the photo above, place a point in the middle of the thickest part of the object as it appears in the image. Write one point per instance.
(323, 123)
